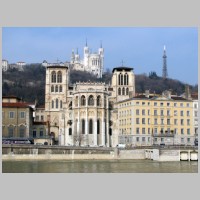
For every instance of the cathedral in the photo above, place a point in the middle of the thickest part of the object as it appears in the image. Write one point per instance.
(92, 62)
(85, 113)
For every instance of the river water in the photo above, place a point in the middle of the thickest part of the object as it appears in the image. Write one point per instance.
(98, 166)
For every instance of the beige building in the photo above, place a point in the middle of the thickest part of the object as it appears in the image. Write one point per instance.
(154, 119)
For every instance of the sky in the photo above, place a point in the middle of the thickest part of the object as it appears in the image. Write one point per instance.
(138, 47)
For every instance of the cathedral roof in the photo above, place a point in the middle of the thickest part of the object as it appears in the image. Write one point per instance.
(122, 68)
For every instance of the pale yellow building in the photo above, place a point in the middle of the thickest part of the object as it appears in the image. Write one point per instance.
(154, 119)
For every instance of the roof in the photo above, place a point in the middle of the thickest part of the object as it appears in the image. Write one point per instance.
(11, 96)
(122, 68)
(15, 105)
(57, 66)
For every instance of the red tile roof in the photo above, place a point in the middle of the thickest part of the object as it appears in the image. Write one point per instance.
(15, 105)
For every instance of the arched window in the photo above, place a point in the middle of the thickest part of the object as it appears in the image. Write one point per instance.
(121, 79)
(126, 91)
(60, 88)
(56, 88)
(60, 103)
(99, 101)
(52, 103)
(83, 126)
(53, 77)
(22, 132)
(124, 79)
(56, 103)
(59, 77)
(52, 88)
(91, 100)
(83, 100)
(90, 126)
(123, 91)
(76, 101)
(98, 126)
(127, 81)
(119, 91)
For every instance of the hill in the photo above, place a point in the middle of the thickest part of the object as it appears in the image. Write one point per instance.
(30, 83)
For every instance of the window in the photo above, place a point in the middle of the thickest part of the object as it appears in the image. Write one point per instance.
(56, 88)
(162, 121)
(11, 115)
(42, 118)
(52, 104)
(149, 121)
(188, 105)
(53, 77)
(168, 104)
(155, 130)
(155, 121)
(52, 88)
(188, 131)
(137, 112)
(82, 101)
(41, 133)
(175, 121)
(143, 130)
(137, 121)
(155, 103)
(181, 104)
(143, 120)
(22, 115)
(168, 121)
(137, 130)
(37, 118)
(34, 133)
(181, 113)
(127, 91)
(119, 80)
(99, 101)
(90, 126)
(155, 112)
(188, 139)
(124, 79)
(123, 91)
(22, 132)
(70, 131)
(143, 112)
(175, 112)
(161, 104)
(137, 139)
(143, 139)
(195, 113)
(168, 112)
(195, 105)
(182, 131)
(60, 88)
(175, 104)
(188, 113)
(83, 126)
(119, 91)
(60, 103)
(143, 103)
(10, 131)
(149, 130)
(182, 140)
(188, 122)
(91, 100)
(98, 126)
(182, 122)
(148, 112)
(56, 103)
(162, 112)
(59, 77)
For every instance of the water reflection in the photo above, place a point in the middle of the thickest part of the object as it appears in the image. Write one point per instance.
(98, 166)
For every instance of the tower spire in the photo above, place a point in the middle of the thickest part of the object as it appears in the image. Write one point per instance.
(164, 71)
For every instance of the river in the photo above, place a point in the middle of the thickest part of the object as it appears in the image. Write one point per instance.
(98, 166)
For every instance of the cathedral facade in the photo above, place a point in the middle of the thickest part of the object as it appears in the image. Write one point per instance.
(85, 113)
(91, 62)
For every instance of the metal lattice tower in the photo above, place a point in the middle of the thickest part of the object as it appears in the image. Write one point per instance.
(164, 72)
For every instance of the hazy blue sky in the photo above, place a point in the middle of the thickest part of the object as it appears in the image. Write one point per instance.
(140, 48)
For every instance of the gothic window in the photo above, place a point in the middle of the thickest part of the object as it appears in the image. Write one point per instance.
(83, 100)
(60, 88)
(123, 91)
(121, 79)
(56, 88)
(99, 101)
(52, 103)
(52, 88)
(124, 79)
(60, 103)
(91, 100)
(126, 91)
(53, 77)
(83, 126)
(119, 91)
(98, 126)
(59, 77)
(90, 126)
(127, 79)
(56, 103)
